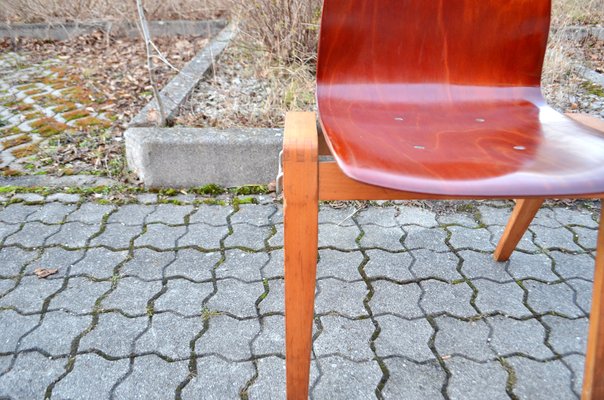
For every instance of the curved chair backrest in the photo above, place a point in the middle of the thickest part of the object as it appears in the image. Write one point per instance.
(458, 42)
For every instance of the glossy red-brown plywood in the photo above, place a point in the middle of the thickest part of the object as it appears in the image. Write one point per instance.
(443, 97)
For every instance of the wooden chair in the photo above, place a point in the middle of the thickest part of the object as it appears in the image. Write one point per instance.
(432, 100)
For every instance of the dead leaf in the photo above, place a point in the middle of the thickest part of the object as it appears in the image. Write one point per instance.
(44, 272)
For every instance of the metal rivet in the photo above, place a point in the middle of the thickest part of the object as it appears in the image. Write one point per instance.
(480, 120)
(519, 148)
(419, 147)
(399, 119)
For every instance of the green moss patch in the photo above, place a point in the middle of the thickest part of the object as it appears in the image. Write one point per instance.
(75, 114)
(26, 151)
(24, 107)
(47, 127)
(92, 121)
(16, 141)
(592, 88)
(33, 91)
(45, 99)
(65, 107)
(34, 115)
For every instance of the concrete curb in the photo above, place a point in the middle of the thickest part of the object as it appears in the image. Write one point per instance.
(69, 30)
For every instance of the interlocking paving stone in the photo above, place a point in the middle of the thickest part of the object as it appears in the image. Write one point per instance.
(30, 293)
(380, 216)
(13, 259)
(423, 238)
(169, 335)
(148, 264)
(583, 291)
(274, 301)
(55, 258)
(383, 264)
(525, 244)
(29, 197)
(90, 374)
(16, 213)
(546, 217)
(416, 216)
(574, 265)
(537, 380)
(211, 215)
(400, 337)
(480, 265)
(566, 335)
(117, 236)
(466, 238)
(64, 197)
(184, 297)
(556, 298)
(73, 235)
(89, 213)
(32, 234)
(277, 239)
(193, 264)
(340, 264)
(14, 326)
(448, 298)
(7, 229)
(512, 336)
(272, 337)
(402, 300)
(253, 214)
(429, 264)
(131, 296)
(348, 338)
(567, 216)
(494, 216)
(274, 268)
(234, 346)
(161, 384)
(80, 295)
(56, 333)
(98, 263)
(5, 362)
(248, 237)
(411, 381)
(534, 266)
(160, 236)
(30, 376)
(344, 379)
(577, 364)
(471, 380)
(6, 285)
(203, 236)
(236, 297)
(467, 338)
(345, 298)
(270, 383)
(586, 237)
(554, 238)
(338, 236)
(382, 238)
(504, 298)
(217, 379)
(51, 213)
(122, 331)
(242, 265)
(469, 221)
(337, 216)
(131, 214)
(169, 214)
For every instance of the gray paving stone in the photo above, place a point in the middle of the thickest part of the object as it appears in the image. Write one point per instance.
(274, 302)
(73, 235)
(169, 214)
(253, 214)
(479, 265)
(160, 236)
(467, 338)
(211, 215)
(381, 216)
(472, 380)
(566, 335)
(345, 298)
(13, 259)
(429, 264)
(466, 238)
(236, 298)
(56, 333)
(536, 380)
(204, 236)
(51, 213)
(504, 298)
(390, 298)
(6, 285)
(122, 331)
(64, 197)
(400, 337)
(270, 383)
(117, 236)
(7, 230)
(30, 376)
(586, 237)
(577, 366)
(554, 238)
(344, 379)
(147, 198)
(29, 197)
(16, 213)
(80, 296)
(274, 268)
(277, 239)
(337, 216)
(448, 298)
(161, 384)
(14, 326)
(184, 297)
(32, 234)
(510, 336)
(131, 214)
(55, 258)
(99, 263)
(248, 237)
(382, 238)
(525, 244)
(383, 264)
(583, 291)
(169, 335)
(535, 266)
(272, 337)
(340, 264)
(217, 379)
(546, 217)
(30, 293)
(193, 264)
(338, 236)
(277, 217)
(242, 265)
(147, 264)
(574, 265)
(131, 296)
(416, 216)
(5, 362)
(411, 381)
(427, 239)
(556, 298)
(494, 216)
(90, 374)
(89, 213)
(458, 218)
(234, 346)
(567, 216)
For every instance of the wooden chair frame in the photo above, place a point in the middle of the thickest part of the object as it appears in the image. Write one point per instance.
(308, 178)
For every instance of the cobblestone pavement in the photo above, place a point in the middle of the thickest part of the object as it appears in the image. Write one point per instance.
(154, 301)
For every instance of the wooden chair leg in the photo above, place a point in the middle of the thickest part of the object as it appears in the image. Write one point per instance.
(301, 208)
(593, 381)
(523, 214)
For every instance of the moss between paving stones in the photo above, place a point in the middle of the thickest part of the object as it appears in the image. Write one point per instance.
(65, 107)
(16, 141)
(75, 114)
(92, 121)
(26, 151)
(47, 127)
